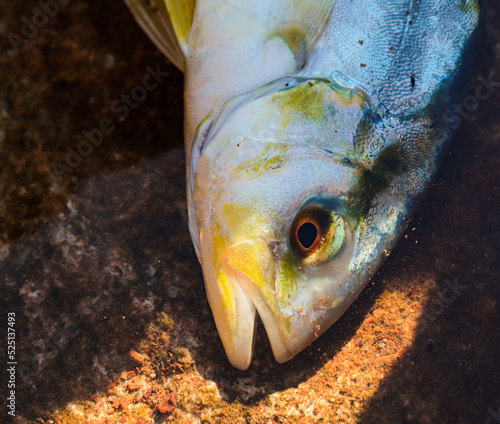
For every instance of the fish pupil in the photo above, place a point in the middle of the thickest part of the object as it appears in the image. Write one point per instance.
(307, 234)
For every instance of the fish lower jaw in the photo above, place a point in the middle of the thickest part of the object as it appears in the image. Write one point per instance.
(280, 350)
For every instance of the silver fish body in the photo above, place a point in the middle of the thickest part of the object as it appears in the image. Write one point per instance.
(308, 143)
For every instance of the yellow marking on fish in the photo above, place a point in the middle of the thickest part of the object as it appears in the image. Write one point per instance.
(286, 278)
(313, 101)
(336, 302)
(295, 39)
(273, 161)
(270, 158)
(233, 213)
(241, 221)
(469, 6)
(181, 14)
(253, 260)
(219, 246)
(305, 100)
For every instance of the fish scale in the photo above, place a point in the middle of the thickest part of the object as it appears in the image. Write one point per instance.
(429, 49)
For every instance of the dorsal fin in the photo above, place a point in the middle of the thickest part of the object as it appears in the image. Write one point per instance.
(167, 23)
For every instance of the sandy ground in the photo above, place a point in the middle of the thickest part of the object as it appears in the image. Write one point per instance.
(111, 318)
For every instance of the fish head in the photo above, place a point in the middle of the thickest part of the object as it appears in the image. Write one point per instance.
(280, 229)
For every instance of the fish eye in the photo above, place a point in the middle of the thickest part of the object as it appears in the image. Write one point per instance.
(318, 233)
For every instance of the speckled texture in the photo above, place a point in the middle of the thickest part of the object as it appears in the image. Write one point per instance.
(97, 263)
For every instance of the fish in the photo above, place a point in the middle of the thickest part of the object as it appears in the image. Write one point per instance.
(312, 129)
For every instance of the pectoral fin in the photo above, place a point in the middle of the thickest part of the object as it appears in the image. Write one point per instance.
(300, 25)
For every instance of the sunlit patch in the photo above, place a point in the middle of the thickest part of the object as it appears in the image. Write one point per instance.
(348, 378)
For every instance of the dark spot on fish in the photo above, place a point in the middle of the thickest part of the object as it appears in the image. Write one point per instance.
(391, 49)
(410, 22)
(407, 12)
(347, 161)
(373, 116)
(203, 138)
(310, 83)
(363, 65)
(360, 42)
(413, 81)
(388, 165)
(286, 85)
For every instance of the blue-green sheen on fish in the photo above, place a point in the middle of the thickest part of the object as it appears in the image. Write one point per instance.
(312, 128)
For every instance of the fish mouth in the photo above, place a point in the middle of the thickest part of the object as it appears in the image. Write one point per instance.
(243, 288)
(271, 323)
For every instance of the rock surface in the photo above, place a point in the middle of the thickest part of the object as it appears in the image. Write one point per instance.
(112, 322)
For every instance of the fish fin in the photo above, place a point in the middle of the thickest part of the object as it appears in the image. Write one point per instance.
(154, 18)
(181, 15)
(302, 26)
